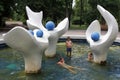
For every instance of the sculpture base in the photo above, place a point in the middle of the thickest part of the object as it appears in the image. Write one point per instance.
(51, 56)
(33, 72)
(103, 63)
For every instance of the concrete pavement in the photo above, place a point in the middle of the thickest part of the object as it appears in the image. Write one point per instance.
(80, 34)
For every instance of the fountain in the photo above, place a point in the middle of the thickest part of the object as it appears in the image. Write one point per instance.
(32, 46)
(100, 44)
(34, 42)
(35, 21)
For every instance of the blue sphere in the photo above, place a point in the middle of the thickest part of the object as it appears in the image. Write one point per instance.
(50, 25)
(31, 32)
(95, 36)
(39, 33)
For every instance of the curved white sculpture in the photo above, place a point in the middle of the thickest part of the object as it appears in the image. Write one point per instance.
(99, 48)
(32, 46)
(34, 19)
(62, 27)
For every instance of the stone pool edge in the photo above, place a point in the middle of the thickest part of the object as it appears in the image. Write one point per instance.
(74, 37)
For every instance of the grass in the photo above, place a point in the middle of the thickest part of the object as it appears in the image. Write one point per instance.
(76, 27)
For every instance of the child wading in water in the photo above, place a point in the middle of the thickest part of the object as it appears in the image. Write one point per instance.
(90, 56)
(69, 46)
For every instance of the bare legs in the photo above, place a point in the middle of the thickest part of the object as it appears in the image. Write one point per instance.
(70, 68)
(69, 53)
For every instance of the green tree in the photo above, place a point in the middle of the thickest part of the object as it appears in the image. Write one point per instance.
(111, 5)
(85, 11)
(52, 9)
(5, 9)
(1, 11)
(81, 10)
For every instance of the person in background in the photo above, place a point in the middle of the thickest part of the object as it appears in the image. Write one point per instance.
(69, 45)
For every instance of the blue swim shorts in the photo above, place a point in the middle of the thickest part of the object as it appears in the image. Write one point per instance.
(69, 49)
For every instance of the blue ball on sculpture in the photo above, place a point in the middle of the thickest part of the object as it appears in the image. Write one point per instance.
(95, 36)
(31, 32)
(39, 33)
(50, 25)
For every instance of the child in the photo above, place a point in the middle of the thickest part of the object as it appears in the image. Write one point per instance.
(70, 68)
(69, 46)
(90, 56)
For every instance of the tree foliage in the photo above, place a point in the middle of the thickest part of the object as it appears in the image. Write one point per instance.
(52, 9)
(86, 10)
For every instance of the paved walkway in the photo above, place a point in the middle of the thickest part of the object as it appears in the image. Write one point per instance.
(74, 34)
(80, 34)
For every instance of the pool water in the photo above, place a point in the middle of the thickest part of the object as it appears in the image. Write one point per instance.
(12, 65)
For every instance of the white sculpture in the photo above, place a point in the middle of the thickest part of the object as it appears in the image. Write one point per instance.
(55, 34)
(35, 21)
(99, 48)
(29, 44)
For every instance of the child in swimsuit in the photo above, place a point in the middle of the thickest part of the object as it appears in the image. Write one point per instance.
(69, 46)
(70, 68)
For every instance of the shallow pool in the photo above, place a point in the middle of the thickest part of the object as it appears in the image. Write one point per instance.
(12, 65)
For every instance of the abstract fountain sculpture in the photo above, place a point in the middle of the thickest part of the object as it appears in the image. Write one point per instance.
(31, 45)
(100, 47)
(35, 41)
(35, 22)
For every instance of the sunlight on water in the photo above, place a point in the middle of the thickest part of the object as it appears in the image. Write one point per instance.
(12, 65)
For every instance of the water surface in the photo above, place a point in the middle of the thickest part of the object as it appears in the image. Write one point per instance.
(12, 65)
